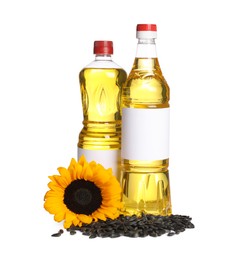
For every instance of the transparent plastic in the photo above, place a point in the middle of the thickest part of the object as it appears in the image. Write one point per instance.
(101, 84)
(145, 183)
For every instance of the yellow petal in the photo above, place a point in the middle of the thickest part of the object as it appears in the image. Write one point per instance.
(54, 194)
(111, 209)
(98, 215)
(72, 169)
(78, 171)
(106, 198)
(72, 163)
(106, 212)
(83, 171)
(82, 160)
(92, 165)
(76, 222)
(70, 217)
(67, 224)
(59, 180)
(111, 190)
(112, 203)
(65, 174)
(59, 216)
(88, 175)
(54, 179)
(85, 219)
(73, 173)
(100, 178)
(53, 208)
(56, 200)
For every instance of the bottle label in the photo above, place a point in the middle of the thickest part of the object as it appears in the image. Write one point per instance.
(107, 158)
(145, 134)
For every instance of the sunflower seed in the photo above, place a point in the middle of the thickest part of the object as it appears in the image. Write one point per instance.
(171, 234)
(58, 234)
(93, 235)
(190, 225)
(135, 226)
(153, 234)
(114, 235)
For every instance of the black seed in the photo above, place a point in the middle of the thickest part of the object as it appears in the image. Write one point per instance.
(58, 234)
(132, 234)
(142, 234)
(160, 232)
(86, 233)
(133, 218)
(114, 235)
(171, 234)
(190, 225)
(153, 234)
(72, 232)
(108, 228)
(93, 235)
(105, 234)
(141, 223)
(135, 226)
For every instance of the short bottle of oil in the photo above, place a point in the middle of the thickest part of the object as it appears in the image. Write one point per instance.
(145, 131)
(101, 84)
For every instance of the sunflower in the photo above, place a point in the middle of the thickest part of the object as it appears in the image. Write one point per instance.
(83, 193)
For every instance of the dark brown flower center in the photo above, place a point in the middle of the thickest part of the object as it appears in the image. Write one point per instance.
(82, 197)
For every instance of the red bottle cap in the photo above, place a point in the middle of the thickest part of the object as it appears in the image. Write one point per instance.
(146, 31)
(147, 27)
(103, 47)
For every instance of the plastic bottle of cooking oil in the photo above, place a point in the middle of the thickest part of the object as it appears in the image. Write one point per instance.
(101, 84)
(145, 131)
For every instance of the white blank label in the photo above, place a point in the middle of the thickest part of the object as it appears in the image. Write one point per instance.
(145, 134)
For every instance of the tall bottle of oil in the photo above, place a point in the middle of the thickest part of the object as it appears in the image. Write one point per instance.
(101, 84)
(145, 131)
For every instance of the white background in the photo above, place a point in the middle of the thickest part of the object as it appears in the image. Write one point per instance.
(44, 45)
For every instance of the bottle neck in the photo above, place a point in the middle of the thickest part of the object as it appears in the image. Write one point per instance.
(146, 48)
(103, 57)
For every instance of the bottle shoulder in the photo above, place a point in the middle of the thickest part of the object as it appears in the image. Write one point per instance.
(103, 72)
(103, 64)
(145, 85)
(146, 69)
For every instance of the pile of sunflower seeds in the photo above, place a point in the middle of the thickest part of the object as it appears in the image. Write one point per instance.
(134, 226)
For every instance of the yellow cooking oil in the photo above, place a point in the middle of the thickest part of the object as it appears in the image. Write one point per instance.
(101, 84)
(145, 183)
(100, 93)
